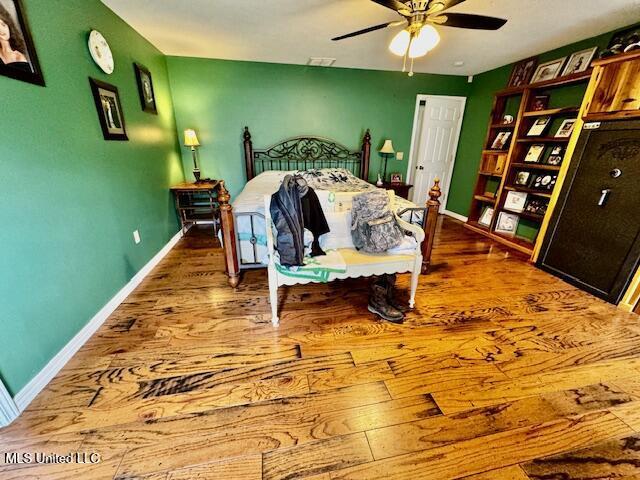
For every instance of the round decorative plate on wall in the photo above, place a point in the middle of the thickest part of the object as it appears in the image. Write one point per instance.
(101, 52)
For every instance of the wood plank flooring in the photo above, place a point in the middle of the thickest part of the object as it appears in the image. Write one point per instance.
(502, 372)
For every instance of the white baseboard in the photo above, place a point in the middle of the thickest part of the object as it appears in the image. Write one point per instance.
(8, 408)
(40, 381)
(455, 215)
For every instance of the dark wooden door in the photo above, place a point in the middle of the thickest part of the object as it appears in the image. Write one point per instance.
(594, 239)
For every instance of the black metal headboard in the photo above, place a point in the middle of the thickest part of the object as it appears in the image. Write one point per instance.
(303, 153)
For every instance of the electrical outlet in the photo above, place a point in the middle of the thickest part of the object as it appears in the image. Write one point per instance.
(136, 237)
(400, 156)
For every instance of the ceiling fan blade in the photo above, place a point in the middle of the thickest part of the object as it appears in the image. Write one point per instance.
(465, 20)
(437, 6)
(395, 5)
(365, 30)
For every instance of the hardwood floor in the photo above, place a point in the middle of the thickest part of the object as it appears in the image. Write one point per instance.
(502, 372)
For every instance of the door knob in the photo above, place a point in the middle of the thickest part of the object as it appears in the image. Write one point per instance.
(603, 197)
(615, 173)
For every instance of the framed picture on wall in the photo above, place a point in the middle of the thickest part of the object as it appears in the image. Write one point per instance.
(580, 61)
(145, 89)
(18, 57)
(548, 71)
(522, 72)
(107, 100)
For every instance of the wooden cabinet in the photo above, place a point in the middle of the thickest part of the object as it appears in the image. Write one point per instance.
(617, 88)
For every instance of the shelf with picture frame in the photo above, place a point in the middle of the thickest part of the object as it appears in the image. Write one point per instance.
(555, 100)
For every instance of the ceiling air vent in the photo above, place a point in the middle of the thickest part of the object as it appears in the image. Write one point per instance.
(321, 61)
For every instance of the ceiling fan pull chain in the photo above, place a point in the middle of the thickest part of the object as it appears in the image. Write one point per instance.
(411, 71)
(404, 65)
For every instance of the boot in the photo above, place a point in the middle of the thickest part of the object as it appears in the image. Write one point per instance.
(391, 284)
(378, 302)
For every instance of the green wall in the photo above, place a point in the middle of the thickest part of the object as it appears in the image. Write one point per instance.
(71, 200)
(218, 98)
(474, 129)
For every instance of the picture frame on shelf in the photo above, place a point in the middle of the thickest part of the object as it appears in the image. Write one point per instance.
(22, 63)
(486, 217)
(543, 181)
(396, 178)
(501, 141)
(539, 126)
(109, 108)
(566, 128)
(549, 70)
(522, 178)
(145, 89)
(580, 61)
(522, 72)
(537, 206)
(507, 223)
(540, 103)
(535, 153)
(556, 156)
(515, 202)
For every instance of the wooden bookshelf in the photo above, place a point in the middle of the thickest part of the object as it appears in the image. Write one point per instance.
(499, 168)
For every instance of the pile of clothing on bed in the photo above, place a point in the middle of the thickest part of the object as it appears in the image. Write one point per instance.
(335, 188)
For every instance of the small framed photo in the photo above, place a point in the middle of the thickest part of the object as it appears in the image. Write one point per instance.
(109, 109)
(539, 126)
(501, 141)
(18, 57)
(486, 217)
(535, 153)
(556, 156)
(548, 71)
(396, 178)
(540, 103)
(145, 88)
(515, 201)
(580, 61)
(522, 72)
(537, 207)
(522, 178)
(507, 223)
(544, 182)
(566, 128)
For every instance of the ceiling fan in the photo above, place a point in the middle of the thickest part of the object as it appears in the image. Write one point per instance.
(419, 36)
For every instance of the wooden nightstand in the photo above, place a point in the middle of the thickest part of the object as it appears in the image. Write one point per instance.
(401, 189)
(197, 203)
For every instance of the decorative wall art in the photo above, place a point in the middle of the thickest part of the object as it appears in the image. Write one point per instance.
(18, 57)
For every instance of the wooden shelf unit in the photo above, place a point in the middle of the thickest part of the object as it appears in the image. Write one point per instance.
(503, 166)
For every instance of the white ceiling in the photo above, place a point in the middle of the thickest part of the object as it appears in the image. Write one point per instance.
(291, 31)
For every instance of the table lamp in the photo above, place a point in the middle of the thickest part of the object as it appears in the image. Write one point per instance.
(386, 150)
(191, 140)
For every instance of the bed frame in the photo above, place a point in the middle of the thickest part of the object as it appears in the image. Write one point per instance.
(303, 153)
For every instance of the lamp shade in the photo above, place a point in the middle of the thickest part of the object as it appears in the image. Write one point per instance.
(400, 43)
(190, 138)
(424, 42)
(387, 147)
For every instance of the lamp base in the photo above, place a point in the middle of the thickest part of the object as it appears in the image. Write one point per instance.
(196, 174)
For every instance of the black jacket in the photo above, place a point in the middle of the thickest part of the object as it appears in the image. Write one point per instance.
(293, 207)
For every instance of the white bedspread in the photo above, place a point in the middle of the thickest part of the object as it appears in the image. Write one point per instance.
(341, 186)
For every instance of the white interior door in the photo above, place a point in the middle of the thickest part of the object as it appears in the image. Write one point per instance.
(436, 132)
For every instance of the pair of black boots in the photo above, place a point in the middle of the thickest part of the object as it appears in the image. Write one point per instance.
(382, 301)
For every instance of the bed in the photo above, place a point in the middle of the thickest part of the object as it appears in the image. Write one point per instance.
(334, 171)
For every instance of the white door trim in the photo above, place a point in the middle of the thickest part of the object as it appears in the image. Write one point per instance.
(414, 135)
(8, 408)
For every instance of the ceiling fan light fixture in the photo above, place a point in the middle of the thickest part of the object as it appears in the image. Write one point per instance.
(400, 43)
(424, 42)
